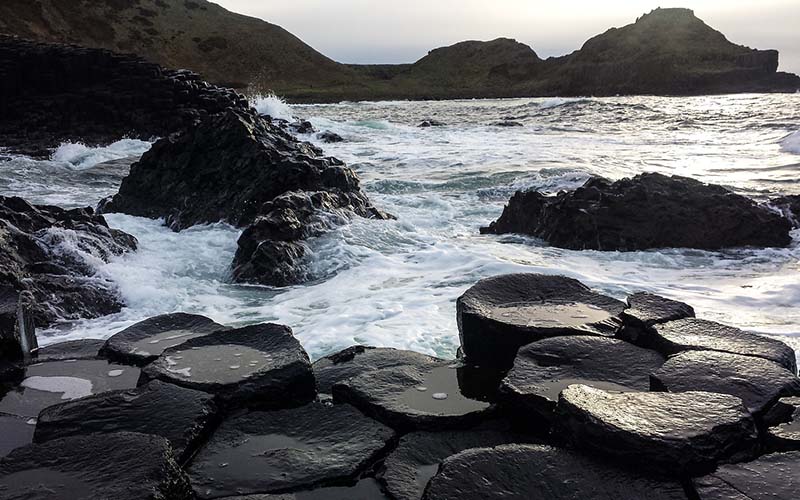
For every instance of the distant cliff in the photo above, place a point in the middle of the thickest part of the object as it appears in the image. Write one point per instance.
(668, 51)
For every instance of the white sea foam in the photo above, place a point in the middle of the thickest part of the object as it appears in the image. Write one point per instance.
(80, 156)
(791, 143)
(272, 105)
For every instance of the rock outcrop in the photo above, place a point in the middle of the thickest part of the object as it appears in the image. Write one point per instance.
(775, 476)
(644, 212)
(789, 206)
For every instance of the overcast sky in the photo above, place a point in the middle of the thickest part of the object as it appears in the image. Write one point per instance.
(382, 31)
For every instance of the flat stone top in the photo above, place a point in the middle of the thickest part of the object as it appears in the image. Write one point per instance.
(549, 314)
(365, 489)
(700, 334)
(658, 414)
(74, 349)
(771, 477)
(648, 309)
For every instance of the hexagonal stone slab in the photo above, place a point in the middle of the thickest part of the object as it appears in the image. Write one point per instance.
(499, 315)
(414, 397)
(416, 459)
(771, 477)
(122, 466)
(758, 382)
(183, 416)
(55, 382)
(358, 359)
(366, 489)
(259, 366)
(544, 368)
(263, 452)
(670, 433)
(143, 342)
(16, 432)
(532, 472)
(785, 435)
(646, 310)
(702, 335)
(74, 349)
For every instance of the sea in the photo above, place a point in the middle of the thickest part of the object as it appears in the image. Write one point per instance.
(395, 283)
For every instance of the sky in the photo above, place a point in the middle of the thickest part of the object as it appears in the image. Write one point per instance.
(382, 31)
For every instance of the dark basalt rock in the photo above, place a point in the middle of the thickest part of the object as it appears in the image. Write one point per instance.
(699, 334)
(53, 93)
(17, 432)
(73, 349)
(545, 368)
(330, 137)
(789, 207)
(365, 489)
(771, 477)
(358, 359)
(302, 127)
(143, 342)
(416, 459)
(416, 397)
(758, 382)
(262, 366)
(54, 382)
(45, 253)
(183, 416)
(507, 123)
(266, 452)
(430, 123)
(682, 433)
(646, 310)
(122, 466)
(786, 434)
(644, 212)
(499, 315)
(17, 329)
(531, 472)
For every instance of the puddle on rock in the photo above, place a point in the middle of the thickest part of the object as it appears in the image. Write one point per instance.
(15, 432)
(154, 345)
(442, 394)
(222, 364)
(552, 388)
(549, 314)
(424, 473)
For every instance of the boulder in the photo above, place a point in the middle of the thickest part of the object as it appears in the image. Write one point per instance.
(302, 127)
(644, 212)
(358, 359)
(182, 416)
(122, 466)
(430, 123)
(143, 342)
(507, 123)
(758, 382)
(416, 459)
(260, 365)
(698, 334)
(365, 489)
(265, 452)
(17, 432)
(771, 477)
(48, 254)
(545, 368)
(416, 397)
(499, 315)
(70, 350)
(329, 137)
(681, 433)
(17, 329)
(532, 472)
(785, 435)
(789, 206)
(646, 310)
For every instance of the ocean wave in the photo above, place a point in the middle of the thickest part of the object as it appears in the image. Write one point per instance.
(791, 143)
(272, 105)
(80, 156)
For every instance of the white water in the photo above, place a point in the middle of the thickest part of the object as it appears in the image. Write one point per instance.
(791, 143)
(395, 283)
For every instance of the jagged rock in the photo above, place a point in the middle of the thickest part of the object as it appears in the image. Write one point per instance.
(644, 212)
(789, 207)
(17, 432)
(499, 315)
(507, 123)
(302, 127)
(47, 252)
(365, 489)
(416, 459)
(698, 334)
(771, 477)
(261, 366)
(646, 310)
(73, 349)
(358, 359)
(143, 342)
(416, 397)
(785, 435)
(122, 466)
(17, 329)
(330, 137)
(183, 416)
(682, 433)
(545, 368)
(531, 472)
(54, 382)
(430, 123)
(264, 452)
(758, 382)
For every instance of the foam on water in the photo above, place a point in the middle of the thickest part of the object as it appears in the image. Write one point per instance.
(80, 156)
(272, 105)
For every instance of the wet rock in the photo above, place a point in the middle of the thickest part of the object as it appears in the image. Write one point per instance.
(416, 459)
(786, 434)
(264, 452)
(646, 310)
(499, 315)
(507, 123)
(699, 334)
(358, 359)
(644, 212)
(73, 349)
(789, 206)
(302, 127)
(430, 123)
(416, 397)
(365, 489)
(330, 137)
(260, 365)
(183, 416)
(531, 472)
(771, 477)
(17, 330)
(143, 342)
(17, 432)
(682, 433)
(545, 368)
(122, 466)
(758, 382)
(54, 382)
(47, 254)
